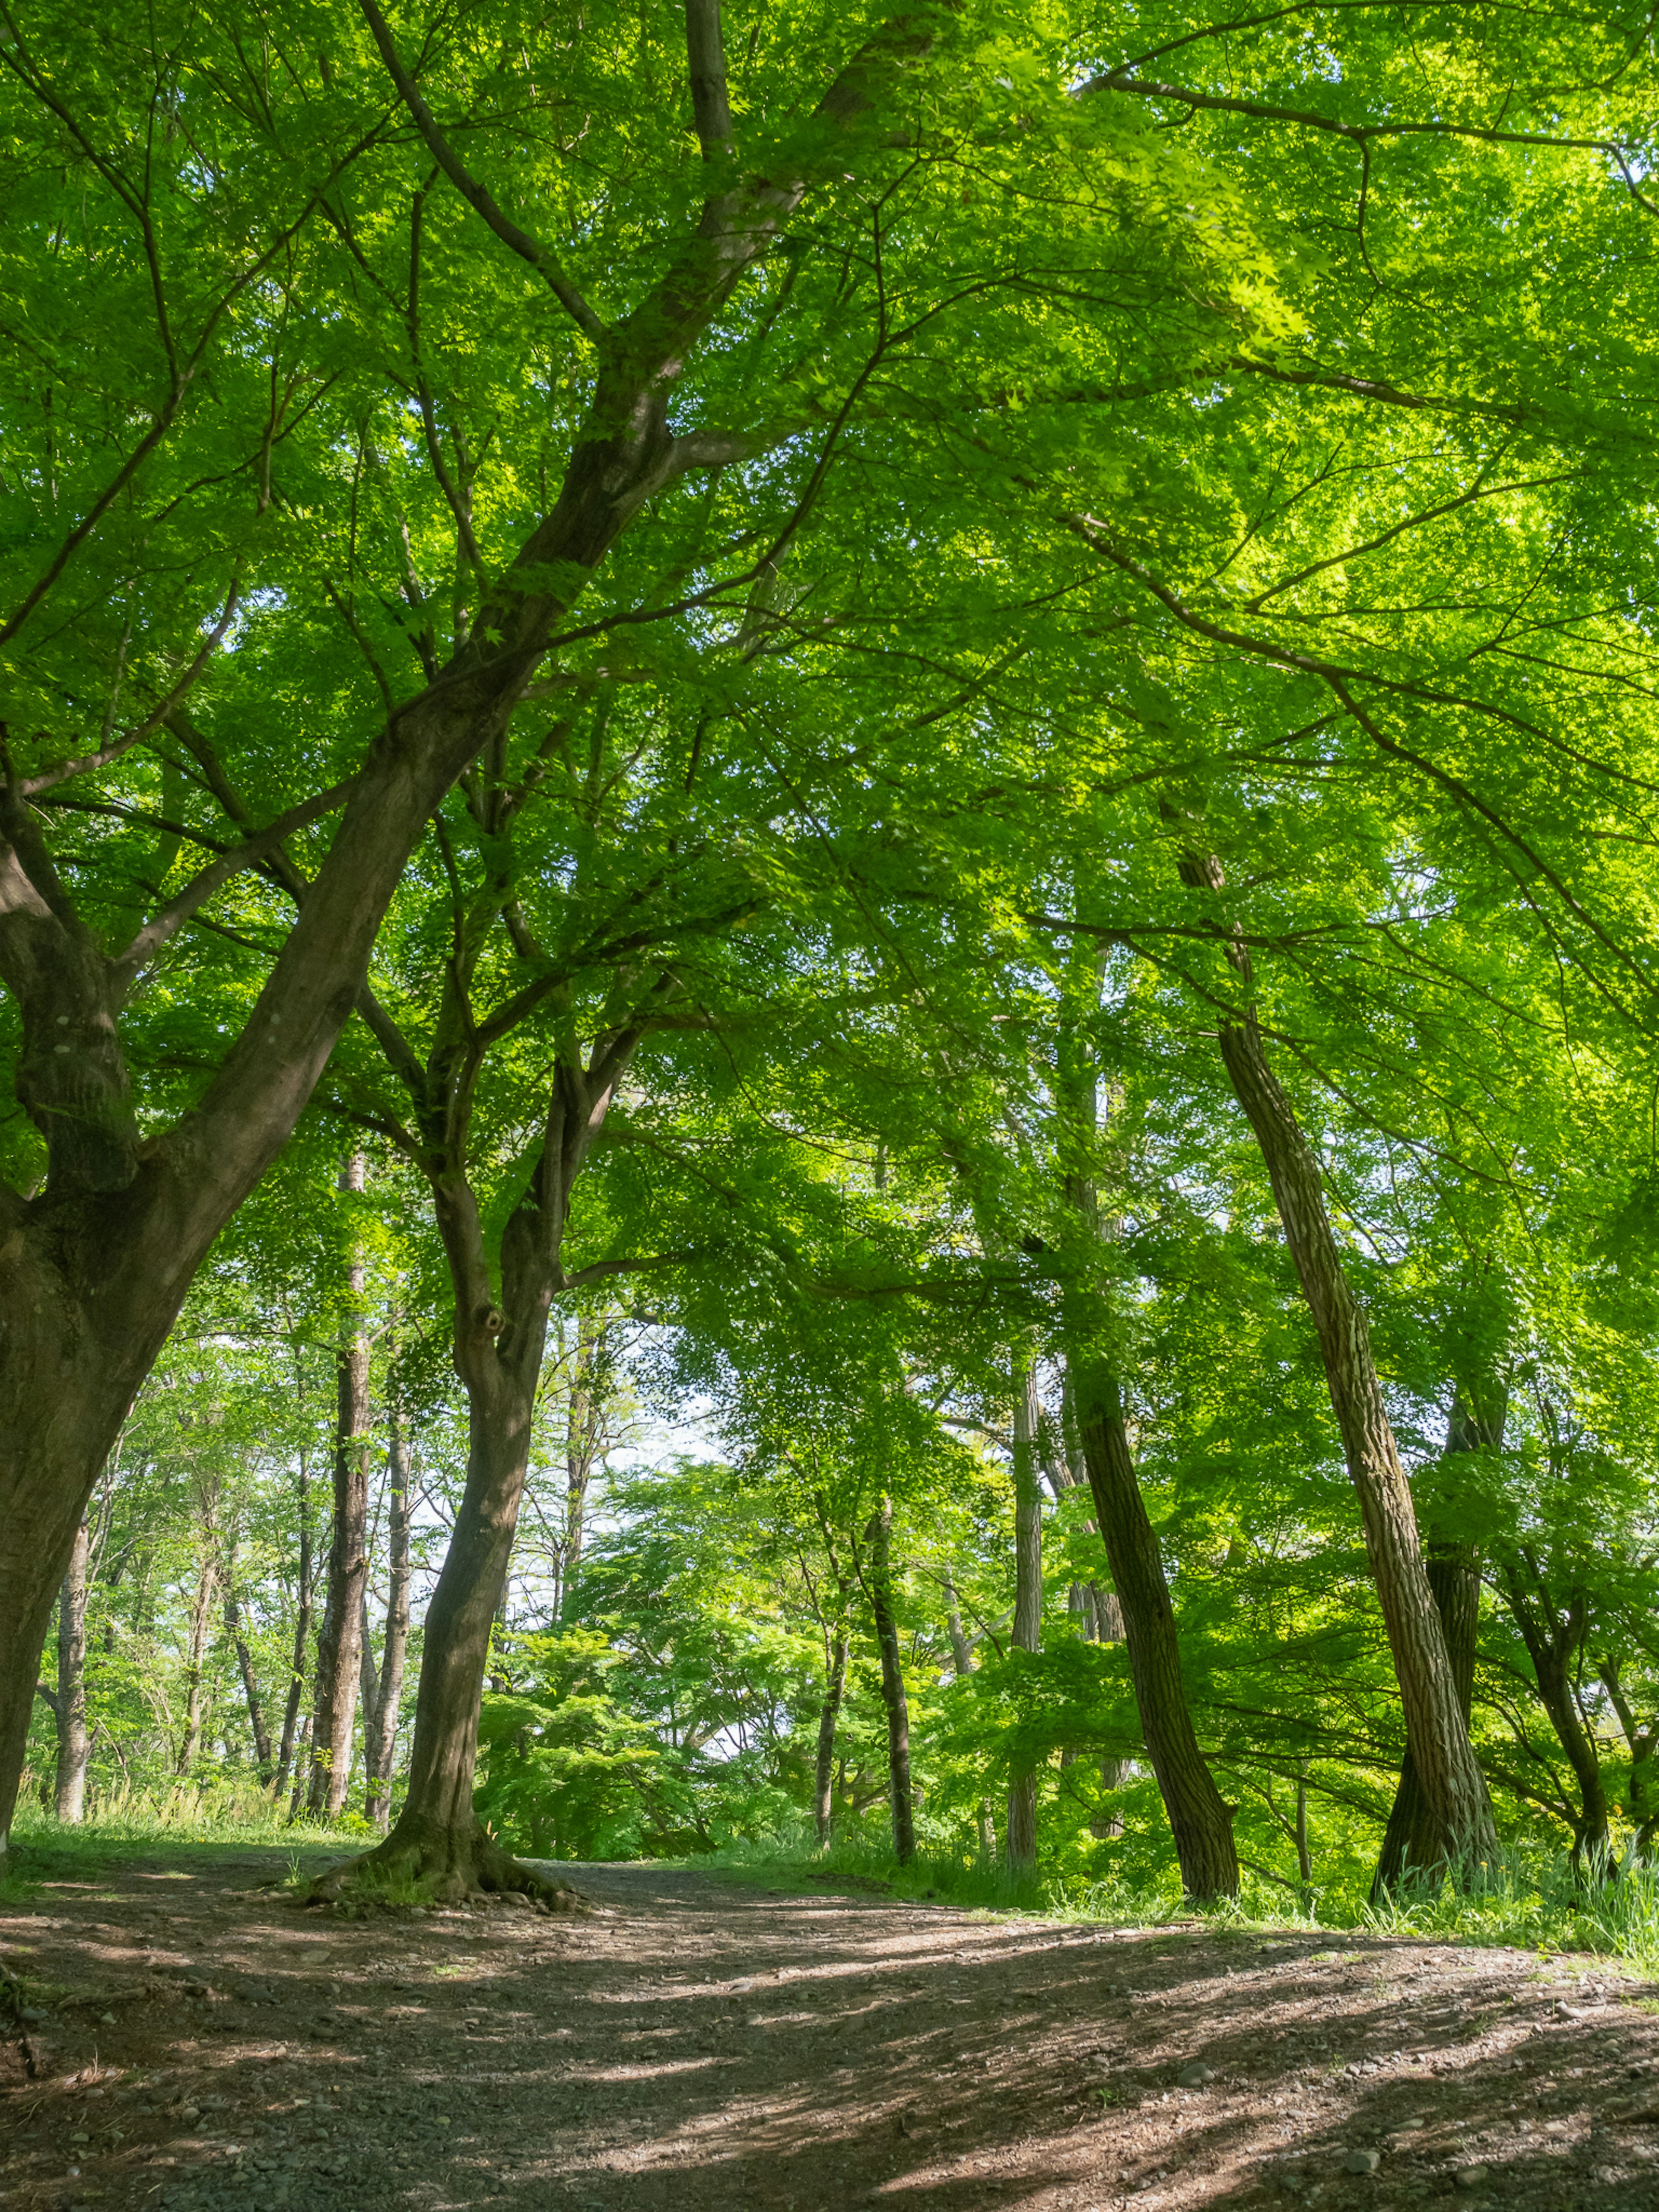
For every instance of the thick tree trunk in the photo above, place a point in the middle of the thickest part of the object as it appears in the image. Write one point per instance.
(1200, 1821)
(1451, 1779)
(381, 1736)
(1412, 1838)
(297, 1680)
(73, 1742)
(838, 1643)
(1026, 1631)
(339, 1648)
(98, 1264)
(256, 1711)
(879, 1589)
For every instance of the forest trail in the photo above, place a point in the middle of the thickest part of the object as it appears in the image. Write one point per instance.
(200, 2043)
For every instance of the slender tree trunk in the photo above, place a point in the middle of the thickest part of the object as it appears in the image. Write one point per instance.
(1303, 1855)
(73, 1743)
(382, 1738)
(1447, 1770)
(339, 1648)
(200, 1612)
(1553, 1636)
(879, 1589)
(1026, 1632)
(256, 1711)
(1201, 1824)
(837, 1642)
(1412, 1838)
(296, 1678)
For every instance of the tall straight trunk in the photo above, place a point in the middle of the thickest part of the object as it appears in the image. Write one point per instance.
(296, 1678)
(1025, 1633)
(380, 1737)
(73, 1741)
(961, 1656)
(256, 1711)
(1412, 1838)
(200, 1612)
(836, 1645)
(1460, 1810)
(339, 1648)
(879, 1589)
(584, 1422)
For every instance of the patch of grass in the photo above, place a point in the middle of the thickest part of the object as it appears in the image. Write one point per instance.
(1534, 1902)
(189, 1827)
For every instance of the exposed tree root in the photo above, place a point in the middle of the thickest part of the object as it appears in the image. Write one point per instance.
(421, 1863)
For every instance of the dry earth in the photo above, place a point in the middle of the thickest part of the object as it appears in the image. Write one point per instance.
(695, 2043)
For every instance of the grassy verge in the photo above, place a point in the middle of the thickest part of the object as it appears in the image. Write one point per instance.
(1524, 1901)
(187, 1828)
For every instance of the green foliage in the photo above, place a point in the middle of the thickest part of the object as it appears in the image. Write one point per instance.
(564, 1771)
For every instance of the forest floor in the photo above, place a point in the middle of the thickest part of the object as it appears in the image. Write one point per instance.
(198, 2044)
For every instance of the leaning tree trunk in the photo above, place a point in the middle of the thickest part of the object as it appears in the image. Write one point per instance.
(73, 1742)
(1201, 1822)
(1026, 1632)
(879, 1589)
(380, 1736)
(1553, 1636)
(339, 1648)
(1411, 1837)
(1459, 1809)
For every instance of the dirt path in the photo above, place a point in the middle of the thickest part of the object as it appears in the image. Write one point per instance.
(697, 2044)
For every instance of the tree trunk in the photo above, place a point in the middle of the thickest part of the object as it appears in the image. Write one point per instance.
(1200, 1823)
(339, 1648)
(437, 1839)
(879, 1589)
(380, 1737)
(834, 1687)
(1554, 1635)
(73, 1743)
(1412, 1838)
(1026, 1632)
(256, 1711)
(196, 1666)
(301, 1637)
(100, 1262)
(1459, 1811)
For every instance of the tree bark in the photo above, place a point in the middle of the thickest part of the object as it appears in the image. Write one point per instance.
(1448, 1772)
(99, 1263)
(381, 1736)
(837, 1646)
(1412, 1838)
(200, 1612)
(256, 1711)
(1200, 1823)
(1554, 1635)
(436, 1838)
(339, 1647)
(73, 1742)
(879, 1589)
(296, 1678)
(1025, 1633)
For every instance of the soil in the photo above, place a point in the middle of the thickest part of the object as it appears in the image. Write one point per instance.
(695, 2044)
